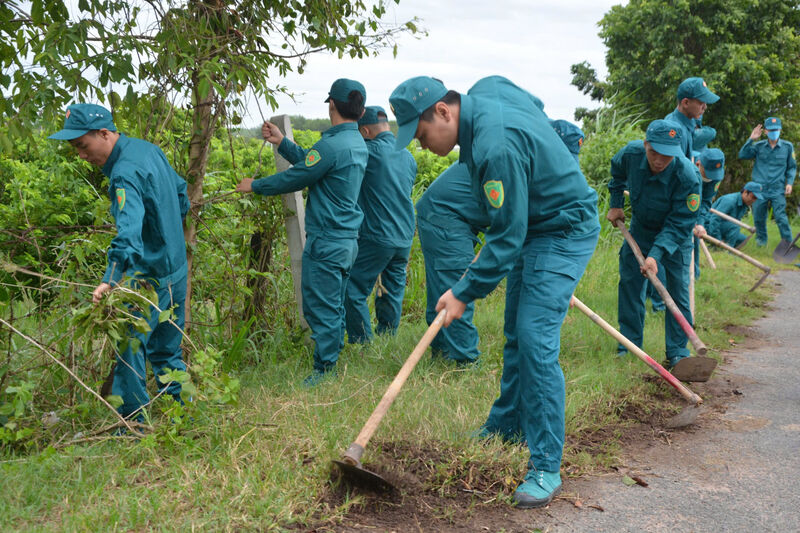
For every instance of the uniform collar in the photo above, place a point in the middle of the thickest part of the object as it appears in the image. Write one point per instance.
(684, 120)
(344, 126)
(388, 135)
(465, 129)
(739, 201)
(114, 156)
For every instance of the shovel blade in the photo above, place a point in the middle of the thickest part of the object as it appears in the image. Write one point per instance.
(785, 252)
(694, 368)
(685, 418)
(358, 476)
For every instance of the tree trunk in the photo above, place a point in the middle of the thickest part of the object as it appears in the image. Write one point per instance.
(202, 132)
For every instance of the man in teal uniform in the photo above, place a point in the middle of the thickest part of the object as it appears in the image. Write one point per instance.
(665, 199)
(736, 205)
(148, 203)
(711, 164)
(332, 170)
(449, 218)
(774, 168)
(694, 96)
(543, 228)
(384, 242)
(571, 135)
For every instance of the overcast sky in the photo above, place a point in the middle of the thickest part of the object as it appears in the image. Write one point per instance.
(532, 42)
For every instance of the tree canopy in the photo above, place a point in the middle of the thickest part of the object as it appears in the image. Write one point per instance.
(748, 51)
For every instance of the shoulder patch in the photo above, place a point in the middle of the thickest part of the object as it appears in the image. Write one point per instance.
(121, 198)
(716, 186)
(312, 158)
(693, 202)
(494, 193)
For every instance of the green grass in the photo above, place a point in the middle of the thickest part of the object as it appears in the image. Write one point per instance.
(265, 464)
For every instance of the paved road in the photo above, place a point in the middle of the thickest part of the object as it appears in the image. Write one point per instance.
(737, 470)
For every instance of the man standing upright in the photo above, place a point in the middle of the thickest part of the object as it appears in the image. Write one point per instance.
(693, 99)
(542, 232)
(332, 170)
(384, 241)
(148, 203)
(774, 168)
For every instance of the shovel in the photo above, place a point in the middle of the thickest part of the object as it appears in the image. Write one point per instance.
(350, 465)
(742, 255)
(638, 352)
(700, 367)
(786, 252)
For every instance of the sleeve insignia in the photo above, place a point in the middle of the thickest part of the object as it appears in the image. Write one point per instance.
(716, 186)
(494, 193)
(693, 202)
(312, 158)
(121, 198)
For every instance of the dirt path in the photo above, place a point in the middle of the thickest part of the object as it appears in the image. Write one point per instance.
(737, 469)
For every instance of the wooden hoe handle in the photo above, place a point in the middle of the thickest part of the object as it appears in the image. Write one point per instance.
(707, 253)
(736, 221)
(698, 345)
(356, 449)
(737, 253)
(638, 352)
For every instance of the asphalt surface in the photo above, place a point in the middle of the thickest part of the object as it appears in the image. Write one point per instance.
(737, 469)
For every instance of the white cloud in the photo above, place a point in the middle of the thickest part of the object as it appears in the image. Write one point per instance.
(533, 43)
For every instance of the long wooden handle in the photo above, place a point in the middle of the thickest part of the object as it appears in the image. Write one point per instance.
(707, 253)
(393, 390)
(638, 352)
(737, 253)
(691, 283)
(698, 345)
(736, 221)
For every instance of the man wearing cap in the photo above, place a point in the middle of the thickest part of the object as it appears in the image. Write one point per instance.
(570, 134)
(665, 200)
(693, 99)
(736, 205)
(332, 170)
(384, 241)
(543, 228)
(148, 203)
(711, 164)
(774, 168)
(449, 218)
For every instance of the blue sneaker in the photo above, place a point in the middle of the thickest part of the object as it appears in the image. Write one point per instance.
(659, 307)
(761, 243)
(318, 376)
(538, 489)
(622, 353)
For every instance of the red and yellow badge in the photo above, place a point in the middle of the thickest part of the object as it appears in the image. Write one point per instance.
(494, 193)
(312, 158)
(121, 198)
(67, 116)
(580, 141)
(672, 133)
(693, 202)
(716, 186)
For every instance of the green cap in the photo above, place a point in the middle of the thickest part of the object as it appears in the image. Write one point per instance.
(755, 188)
(713, 161)
(696, 88)
(569, 133)
(370, 116)
(80, 119)
(341, 89)
(772, 123)
(665, 138)
(409, 100)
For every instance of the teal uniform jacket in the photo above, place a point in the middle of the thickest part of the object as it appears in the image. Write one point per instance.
(664, 212)
(529, 181)
(333, 170)
(385, 196)
(340, 157)
(543, 229)
(719, 228)
(774, 168)
(385, 239)
(148, 203)
(688, 126)
(449, 219)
